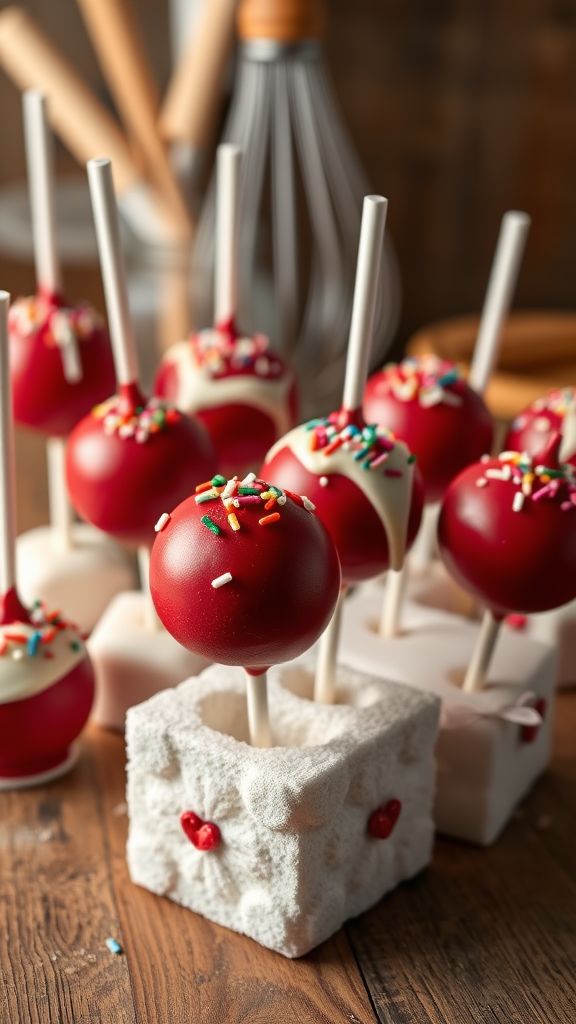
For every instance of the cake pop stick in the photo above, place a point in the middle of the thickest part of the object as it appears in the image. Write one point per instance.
(237, 387)
(46, 679)
(501, 286)
(359, 346)
(7, 468)
(40, 165)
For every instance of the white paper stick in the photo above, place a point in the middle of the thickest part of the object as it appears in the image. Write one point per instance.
(113, 270)
(395, 586)
(151, 620)
(482, 655)
(60, 509)
(226, 275)
(501, 287)
(258, 716)
(365, 298)
(40, 164)
(7, 460)
(325, 682)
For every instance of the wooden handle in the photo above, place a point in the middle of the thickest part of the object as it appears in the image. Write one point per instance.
(117, 39)
(190, 109)
(285, 21)
(85, 127)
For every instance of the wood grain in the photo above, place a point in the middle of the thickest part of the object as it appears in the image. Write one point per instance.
(487, 936)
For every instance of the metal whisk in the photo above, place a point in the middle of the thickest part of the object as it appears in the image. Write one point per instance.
(301, 197)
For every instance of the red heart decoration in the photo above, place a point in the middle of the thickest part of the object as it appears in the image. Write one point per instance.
(204, 835)
(528, 733)
(382, 821)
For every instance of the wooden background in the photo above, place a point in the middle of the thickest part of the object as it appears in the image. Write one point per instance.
(459, 109)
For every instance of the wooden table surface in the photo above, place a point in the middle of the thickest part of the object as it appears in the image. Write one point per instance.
(483, 937)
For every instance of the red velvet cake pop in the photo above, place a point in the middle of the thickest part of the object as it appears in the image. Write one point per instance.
(428, 404)
(129, 459)
(244, 573)
(61, 363)
(554, 413)
(507, 531)
(241, 391)
(363, 483)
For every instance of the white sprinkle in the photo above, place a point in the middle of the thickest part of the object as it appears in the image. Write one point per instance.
(17, 654)
(481, 482)
(221, 581)
(308, 505)
(162, 522)
(248, 479)
(518, 502)
(499, 474)
(323, 481)
(281, 500)
(542, 424)
(485, 458)
(229, 489)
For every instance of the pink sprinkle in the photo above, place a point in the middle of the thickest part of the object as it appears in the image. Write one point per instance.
(249, 499)
(392, 472)
(379, 460)
(548, 489)
(516, 621)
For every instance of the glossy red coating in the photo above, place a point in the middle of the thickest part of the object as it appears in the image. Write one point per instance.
(285, 582)
(122, 486)
(445, 438)
(536, 424)
(43, 399)
(521, 561)
(36, 733)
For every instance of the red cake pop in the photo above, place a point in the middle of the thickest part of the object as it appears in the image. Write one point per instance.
(129, 459)
(61, 364)
(46, 679)
(428, 404)
(507, 534)
(554, 413)
(241, 391)
(507, 531)
(244, 573)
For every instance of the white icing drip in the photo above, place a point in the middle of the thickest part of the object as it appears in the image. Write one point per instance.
(31, 674)
(197, 389)
(390, 497)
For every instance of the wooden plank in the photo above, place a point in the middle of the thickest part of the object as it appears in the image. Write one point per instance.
(486, 936)
(185, 969)
(57, 908)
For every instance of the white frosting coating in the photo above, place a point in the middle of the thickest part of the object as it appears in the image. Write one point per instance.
(390, 496)
(23, 674)
(198, 389)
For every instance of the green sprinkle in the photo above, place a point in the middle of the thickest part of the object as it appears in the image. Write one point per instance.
(247, 490)
(211, 525)
(74, 645)
(411, 459)
(218, 481)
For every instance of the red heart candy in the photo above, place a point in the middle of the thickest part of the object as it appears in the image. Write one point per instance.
(204, 835)
(382, 821)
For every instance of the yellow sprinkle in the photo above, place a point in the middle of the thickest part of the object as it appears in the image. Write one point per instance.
(233, 521)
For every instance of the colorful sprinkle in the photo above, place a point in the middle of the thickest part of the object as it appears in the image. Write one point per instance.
(222, 580)
(114, 946)
(268, 520)
(233, 521)
(211, 525)
(162, 522)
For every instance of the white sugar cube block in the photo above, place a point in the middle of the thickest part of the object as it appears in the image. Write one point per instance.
(132, 660)
(486, 762)
(81, 579)
(296, 857)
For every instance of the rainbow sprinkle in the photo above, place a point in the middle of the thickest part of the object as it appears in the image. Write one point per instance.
(33, 639)
(532, 482)
(370, 445)
(221, 352)
(426, 379)
(141, 424)
(556, 404)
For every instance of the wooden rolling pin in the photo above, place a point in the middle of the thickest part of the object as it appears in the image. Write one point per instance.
(194, 95)
(538, 354)
(83, 124)
(116, 36)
